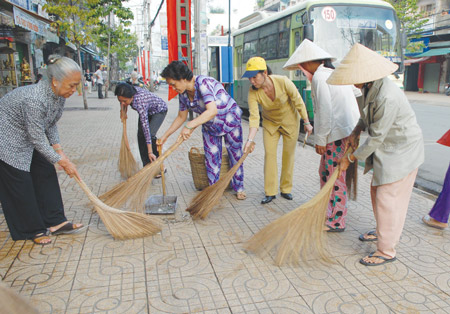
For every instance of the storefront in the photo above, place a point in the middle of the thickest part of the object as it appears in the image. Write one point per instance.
(22, 37)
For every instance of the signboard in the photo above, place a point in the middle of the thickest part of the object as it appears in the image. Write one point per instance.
(21, 3)
(164, 43)
(28, 22)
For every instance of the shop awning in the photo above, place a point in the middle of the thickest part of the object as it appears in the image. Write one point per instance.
(415, 60)
(435, 52)
(88, 50)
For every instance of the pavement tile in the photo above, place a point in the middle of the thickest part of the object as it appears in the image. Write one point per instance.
(108, 271)
(130, 298)
(51, 302)
(104, 246)
(42, 278)
(284, 305)
(187, 294)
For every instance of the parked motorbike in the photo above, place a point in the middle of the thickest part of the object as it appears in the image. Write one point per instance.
(447, 89)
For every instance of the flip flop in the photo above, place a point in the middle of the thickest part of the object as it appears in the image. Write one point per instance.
(363, 238)
(330, 229)
(68, 228)
(37, 239)
(385, 260)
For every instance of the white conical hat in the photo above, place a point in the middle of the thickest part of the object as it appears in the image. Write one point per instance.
(307, 51)
(361, 65)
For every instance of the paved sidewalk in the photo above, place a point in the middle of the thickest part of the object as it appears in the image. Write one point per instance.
(200, 266)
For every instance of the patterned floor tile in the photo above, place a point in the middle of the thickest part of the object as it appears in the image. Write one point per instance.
(167, 265)
(291, 305)
(174, 236)
(130, 298)
(338, 302)
(441, 281)
(248, 285)
(99, 246)
(187, 294)
(43, 278)
(51, 302)
(109, 271)
(411, 295)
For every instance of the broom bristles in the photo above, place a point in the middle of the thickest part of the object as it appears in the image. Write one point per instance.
(298, 235)
(122, 224)
(127, 164)
(206, 200)
(136, 188)
(351, 180)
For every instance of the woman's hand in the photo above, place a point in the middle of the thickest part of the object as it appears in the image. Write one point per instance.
(69, 167)
(151, 156)
(123, 112)
(353, 140)
(248, 146)
(344, 163)
(308, 128)
(321, 149)
(186, 133)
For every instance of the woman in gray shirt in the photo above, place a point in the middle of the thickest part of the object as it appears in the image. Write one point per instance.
(29, 147)
(393, 148)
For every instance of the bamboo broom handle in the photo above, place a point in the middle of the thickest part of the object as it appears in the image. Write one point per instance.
(124, 122)
(93, 198)
(163, 178)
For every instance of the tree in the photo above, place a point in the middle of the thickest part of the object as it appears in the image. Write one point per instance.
(103, 9)
(76, 20)
(411, 20)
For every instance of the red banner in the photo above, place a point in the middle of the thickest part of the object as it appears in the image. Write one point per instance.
(172, 34)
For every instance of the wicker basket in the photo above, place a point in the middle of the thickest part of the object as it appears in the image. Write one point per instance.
(198, 168)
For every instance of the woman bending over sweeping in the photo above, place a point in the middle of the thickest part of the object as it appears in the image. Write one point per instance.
(151, 109)
(219, 116)
(280, 102)
(29, 149)
(335, 115)
(393, 149)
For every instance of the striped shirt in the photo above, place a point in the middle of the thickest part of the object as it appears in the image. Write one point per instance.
(28, 117)
(147, 104)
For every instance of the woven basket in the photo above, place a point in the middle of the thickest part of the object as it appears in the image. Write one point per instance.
(198, 168)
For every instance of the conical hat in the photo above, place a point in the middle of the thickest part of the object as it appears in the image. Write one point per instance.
(361, 65)
(307, 51)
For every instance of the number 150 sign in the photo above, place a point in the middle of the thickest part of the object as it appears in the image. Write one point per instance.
(328, 14)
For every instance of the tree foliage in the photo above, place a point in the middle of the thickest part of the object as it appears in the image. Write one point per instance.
(411, 21)
(74, 18)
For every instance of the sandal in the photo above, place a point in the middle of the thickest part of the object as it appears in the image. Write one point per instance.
(159, 175)
(41, 239)
(371, 255)
(241, 195)
(69, 228)
(364, 238)
(434, 223)
(331, 229)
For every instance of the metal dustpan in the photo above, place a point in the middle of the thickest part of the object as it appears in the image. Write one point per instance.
(161, 204)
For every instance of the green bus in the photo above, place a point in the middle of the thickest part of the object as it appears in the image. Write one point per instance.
(334, 25)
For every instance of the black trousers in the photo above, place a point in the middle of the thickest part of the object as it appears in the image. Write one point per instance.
(32, 200)
(99, 90)
(154, 122)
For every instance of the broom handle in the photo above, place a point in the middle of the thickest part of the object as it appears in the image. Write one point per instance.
(94, 199)
(163, 178)
(124, 122)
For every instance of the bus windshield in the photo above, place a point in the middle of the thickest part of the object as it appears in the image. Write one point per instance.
(338, 27)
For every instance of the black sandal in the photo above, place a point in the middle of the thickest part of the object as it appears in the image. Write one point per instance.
(373, 233)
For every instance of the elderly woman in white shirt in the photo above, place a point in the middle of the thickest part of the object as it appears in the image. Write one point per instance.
(335, 116)
(393, 148)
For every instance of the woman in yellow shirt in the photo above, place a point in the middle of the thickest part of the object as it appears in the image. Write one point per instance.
(282, 108)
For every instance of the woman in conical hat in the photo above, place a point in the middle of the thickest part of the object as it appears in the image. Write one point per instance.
(393, 149)
(282, 106)
(335, 115)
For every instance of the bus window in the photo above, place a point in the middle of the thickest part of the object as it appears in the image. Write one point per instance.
(283, 37)
(338, 27)
(250, 50)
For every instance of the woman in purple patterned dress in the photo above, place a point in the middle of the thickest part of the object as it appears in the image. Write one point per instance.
(219, 116)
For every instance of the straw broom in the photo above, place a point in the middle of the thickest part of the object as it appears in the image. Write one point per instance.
(127, 164)
(136, 189)
(13, 303)
(298, 235)
(122, 224)
(204, 202)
